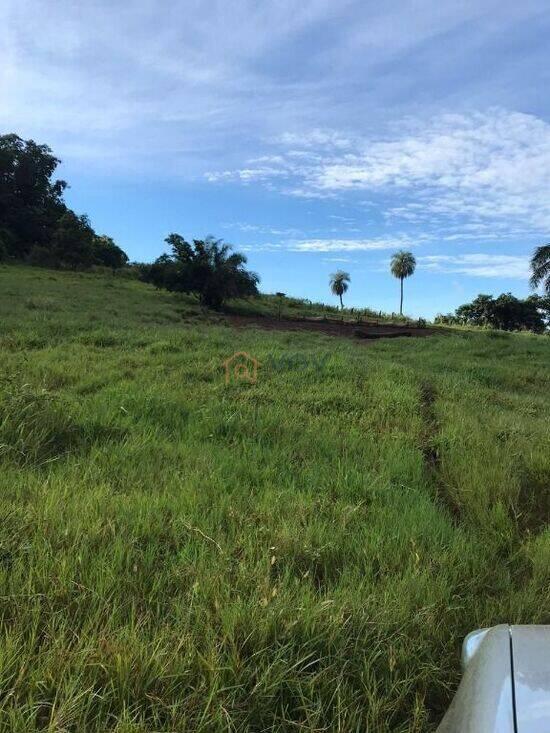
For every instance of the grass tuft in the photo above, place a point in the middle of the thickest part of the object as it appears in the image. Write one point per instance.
(35, 425)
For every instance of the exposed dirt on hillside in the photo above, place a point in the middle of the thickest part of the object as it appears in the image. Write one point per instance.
(362, 331)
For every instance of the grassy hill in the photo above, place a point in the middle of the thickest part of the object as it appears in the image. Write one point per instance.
(302, 553)
(273, 306)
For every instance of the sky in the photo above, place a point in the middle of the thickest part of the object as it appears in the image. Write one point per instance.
(314, 136)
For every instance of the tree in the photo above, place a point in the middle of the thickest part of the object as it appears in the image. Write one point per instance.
(480, 312)
(208, 267)
(161, 273)
(540, 267)
(35, 223)
(542, 304)
(182, 251)
(447, 319)
(108, 254)
(31, 201)
(403, 264)
(73, 241)
(506, 312)
(339, 283)
(6, 243)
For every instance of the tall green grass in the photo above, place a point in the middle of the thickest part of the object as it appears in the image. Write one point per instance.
(304, 553)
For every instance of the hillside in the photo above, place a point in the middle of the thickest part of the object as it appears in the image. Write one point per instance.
(305, 552)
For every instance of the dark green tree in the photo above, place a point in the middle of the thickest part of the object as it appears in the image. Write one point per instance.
(208, 267)
(108, 254)
(73, 241)
(31, 200)
(480, 312)
(506, 312)
(542, 304)
(35, 223)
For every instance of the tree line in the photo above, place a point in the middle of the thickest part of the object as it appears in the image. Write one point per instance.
(36, 225)
(505, 312)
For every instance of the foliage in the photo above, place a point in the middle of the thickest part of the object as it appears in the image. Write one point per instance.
(403, 264)
(243, 552)
(207, 267)
(339, 283)
(108, 254)
(6, 243)
(540, 268)
(35, 223)
(73, 241)
(506, 312)
(31, 201)
(446, 319)
(542, 303)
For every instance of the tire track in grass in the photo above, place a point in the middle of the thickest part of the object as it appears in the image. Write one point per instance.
(430, 450)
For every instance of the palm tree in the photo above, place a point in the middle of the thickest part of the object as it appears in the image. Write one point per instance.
(402, 265)
(540, 267)
(339, 282)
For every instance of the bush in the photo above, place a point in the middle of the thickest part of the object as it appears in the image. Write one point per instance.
(41, 257)
(506, 312)
(6, 243)
(108, 254)
(207, 267)
(446, 319)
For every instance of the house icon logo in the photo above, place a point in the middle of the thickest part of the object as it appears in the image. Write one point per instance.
(241, 367)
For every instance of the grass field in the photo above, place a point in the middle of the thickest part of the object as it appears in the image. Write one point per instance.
(304, 553)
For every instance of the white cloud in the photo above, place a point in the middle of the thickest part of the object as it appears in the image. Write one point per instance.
(347, 245)
(338, 259)
(481, 172)
(246, 227)
(237, 92)
(314, 139)
(478, 265)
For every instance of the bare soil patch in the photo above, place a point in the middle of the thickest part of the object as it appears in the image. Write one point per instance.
(361, 331)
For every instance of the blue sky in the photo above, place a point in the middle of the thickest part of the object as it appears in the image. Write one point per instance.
(315, 135)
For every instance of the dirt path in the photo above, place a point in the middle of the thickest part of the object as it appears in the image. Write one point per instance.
(363, 331)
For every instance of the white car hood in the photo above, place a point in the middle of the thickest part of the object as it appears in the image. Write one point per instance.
(506, 683)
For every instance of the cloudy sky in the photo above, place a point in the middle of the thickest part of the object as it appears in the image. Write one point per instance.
(316, 135)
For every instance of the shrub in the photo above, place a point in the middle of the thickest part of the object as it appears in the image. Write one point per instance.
(108, 254)
(506, 312)
(208, 267)
(6, 242)
(41, 257)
